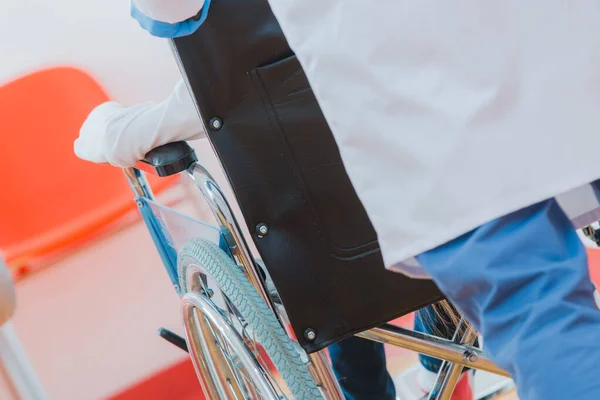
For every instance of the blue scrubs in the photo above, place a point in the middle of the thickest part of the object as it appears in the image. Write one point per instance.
(523, 281)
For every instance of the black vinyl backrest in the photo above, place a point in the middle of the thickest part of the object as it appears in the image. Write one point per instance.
(285, 169)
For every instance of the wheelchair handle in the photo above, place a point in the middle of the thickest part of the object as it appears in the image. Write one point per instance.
(168, 159)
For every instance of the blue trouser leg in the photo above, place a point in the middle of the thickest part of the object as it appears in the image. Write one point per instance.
(359, 365)
(523, 281)
(347, 358)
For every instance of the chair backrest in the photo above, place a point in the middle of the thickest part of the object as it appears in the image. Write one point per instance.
(48, 197)
(286, 171)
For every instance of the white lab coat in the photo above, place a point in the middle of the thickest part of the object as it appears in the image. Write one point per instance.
(170, 11)
(450, 114)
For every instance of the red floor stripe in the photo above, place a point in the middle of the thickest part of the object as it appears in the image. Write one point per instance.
(177, 382)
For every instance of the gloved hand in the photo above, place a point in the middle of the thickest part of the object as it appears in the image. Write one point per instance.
(122, 136)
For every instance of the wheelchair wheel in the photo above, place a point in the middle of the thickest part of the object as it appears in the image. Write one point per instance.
(239, 349)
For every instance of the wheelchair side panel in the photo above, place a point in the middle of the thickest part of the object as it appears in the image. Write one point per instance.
(170, 230)
(285, 169)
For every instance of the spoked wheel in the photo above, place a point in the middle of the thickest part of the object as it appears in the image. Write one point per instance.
(239, 349)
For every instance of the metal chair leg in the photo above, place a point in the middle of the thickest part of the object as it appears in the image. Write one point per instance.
(324, 376)
(449, 373)
(19, 371)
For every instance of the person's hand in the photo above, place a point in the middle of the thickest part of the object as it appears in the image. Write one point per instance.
(90, 145)
(122, 136)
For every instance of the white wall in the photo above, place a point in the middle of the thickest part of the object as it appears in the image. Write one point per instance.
(96, 35)
(89, 323)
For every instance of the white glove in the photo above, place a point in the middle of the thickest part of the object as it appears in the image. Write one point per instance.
(122, 136)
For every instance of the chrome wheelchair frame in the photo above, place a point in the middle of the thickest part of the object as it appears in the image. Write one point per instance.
(457, 353)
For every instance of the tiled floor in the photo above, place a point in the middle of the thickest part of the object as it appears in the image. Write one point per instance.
(179, 382)
(483, 384)
(88, 337)
(403, 366)
(89, 322)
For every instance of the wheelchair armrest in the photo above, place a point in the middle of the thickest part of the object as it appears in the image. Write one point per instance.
(169, 159)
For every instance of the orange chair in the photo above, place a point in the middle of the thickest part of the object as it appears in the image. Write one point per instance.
(50, 199)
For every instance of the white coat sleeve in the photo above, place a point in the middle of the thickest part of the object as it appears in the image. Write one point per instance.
(124, 135)
(171, 11)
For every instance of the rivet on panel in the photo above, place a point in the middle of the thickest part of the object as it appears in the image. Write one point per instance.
(262, 229)
(216, 123)
(310, 335)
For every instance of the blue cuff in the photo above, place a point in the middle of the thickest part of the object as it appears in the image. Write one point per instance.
(167, 30)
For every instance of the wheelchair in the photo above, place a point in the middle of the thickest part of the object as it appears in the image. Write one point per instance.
(247, 338)
(258, 328)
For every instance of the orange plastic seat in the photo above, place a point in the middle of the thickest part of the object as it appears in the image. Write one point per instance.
(49, 198)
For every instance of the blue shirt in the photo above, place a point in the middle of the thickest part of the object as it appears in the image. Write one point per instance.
(168, 30)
